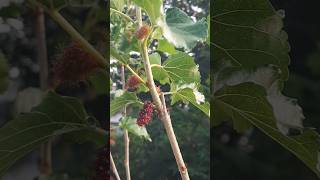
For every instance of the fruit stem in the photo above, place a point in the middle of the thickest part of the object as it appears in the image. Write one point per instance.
(134, 73)
(128, 18)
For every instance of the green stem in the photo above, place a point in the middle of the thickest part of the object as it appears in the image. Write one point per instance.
(134, 73)
(75, 35)
(126, 17)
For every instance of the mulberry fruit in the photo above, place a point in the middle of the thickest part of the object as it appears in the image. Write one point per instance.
(132, 82)
(145, 114)
(73, 66)
(102, 165)
(142, 32)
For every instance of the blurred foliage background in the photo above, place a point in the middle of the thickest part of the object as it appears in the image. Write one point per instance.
(254, 155)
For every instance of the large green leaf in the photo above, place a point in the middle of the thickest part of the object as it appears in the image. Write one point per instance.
(56, 115)
(248, 34)
(131, 125)
(188, 95)
(246, 104)
(179, 29)
(125, 99)
(165, 46)
(153, 8)
(180, 68)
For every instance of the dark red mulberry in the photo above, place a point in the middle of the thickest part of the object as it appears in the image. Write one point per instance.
(73, 66)
(142, 32)
(145, 114)
(102, 165)
(133, 82)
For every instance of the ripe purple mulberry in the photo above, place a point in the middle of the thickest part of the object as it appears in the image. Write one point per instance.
(142, 32)
(145, 114)
(132, 82)
(73, 66)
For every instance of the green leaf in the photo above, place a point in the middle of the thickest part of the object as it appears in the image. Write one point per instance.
(131, 125)
(180, 68)
(286, 110)
(99, 80)
(165, 46)
(248, 34)
(118, 56)
(155, 58)
(180, 30)
(117, 4)
(87, 135)
(125, 99)
(188, 95)
(56, 115)
(153, 8)
(246, 104)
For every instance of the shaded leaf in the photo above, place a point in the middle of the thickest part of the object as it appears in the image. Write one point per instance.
(99, 80)
(246, 104)
(248, 34)
(56, 115)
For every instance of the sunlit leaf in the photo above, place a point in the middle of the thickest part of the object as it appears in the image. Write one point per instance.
(120, 102)
(152, 7)
(179, 29)
(131, 125)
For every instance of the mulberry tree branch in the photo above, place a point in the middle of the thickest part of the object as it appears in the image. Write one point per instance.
(125, 134)
(45, 165)
(114, 168)
(161, 107)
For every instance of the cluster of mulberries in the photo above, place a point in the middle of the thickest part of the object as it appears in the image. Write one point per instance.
(102, 166)
(73, 65)
(142, 32)
(145, 114)
(132, 83)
